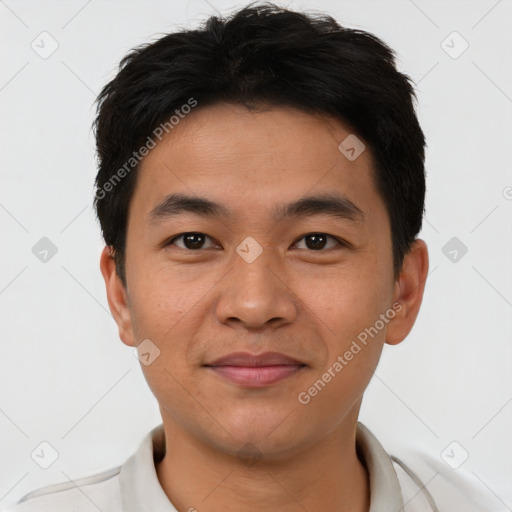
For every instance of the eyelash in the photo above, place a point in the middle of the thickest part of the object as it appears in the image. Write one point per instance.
(339, 241)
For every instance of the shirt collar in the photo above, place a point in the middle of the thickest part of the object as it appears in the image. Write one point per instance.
(385, 491)
(141, 489)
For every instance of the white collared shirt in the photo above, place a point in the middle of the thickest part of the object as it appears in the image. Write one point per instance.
(134, 486)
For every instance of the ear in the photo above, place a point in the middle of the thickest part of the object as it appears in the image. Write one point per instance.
(408, 292)
(117, 296)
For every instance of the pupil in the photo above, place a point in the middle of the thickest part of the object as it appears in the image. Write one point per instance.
(193, 240)
(315, 241)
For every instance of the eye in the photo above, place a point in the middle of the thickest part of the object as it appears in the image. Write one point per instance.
(191, 241)
(319, 241)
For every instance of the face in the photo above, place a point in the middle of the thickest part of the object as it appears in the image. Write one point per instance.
(289, 252)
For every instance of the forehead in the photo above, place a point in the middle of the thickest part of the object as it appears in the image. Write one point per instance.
(254, 160)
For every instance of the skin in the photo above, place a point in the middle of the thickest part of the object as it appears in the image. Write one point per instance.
(197, 305)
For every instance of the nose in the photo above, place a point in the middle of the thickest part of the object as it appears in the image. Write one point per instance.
(256, 296)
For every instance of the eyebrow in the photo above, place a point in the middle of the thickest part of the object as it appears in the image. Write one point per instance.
(335, 205)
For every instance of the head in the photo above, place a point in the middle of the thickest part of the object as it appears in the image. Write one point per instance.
(286, 148)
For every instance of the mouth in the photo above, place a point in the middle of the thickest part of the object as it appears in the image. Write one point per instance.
(255, 371)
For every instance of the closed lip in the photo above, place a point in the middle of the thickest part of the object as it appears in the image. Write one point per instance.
(247, 359)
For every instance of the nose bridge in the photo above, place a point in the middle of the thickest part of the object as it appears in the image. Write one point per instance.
(253, 293)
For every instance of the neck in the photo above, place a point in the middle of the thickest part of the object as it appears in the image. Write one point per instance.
(326, 476)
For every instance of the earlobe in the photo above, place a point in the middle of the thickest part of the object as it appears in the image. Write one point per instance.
(409, 290)
(117, 296)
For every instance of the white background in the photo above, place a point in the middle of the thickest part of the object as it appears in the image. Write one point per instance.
(66, 378)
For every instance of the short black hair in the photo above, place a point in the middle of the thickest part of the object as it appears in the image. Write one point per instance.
(263, 54)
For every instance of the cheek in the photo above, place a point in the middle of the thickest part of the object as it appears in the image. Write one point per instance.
(166, 318)
(347, 313)
(344, 304)
(169, 308)
(162, 299)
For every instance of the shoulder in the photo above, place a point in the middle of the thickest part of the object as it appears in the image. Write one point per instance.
(432, 485)
(87, 494)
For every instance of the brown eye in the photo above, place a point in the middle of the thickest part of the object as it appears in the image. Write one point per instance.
(191, 241)
(318, 241)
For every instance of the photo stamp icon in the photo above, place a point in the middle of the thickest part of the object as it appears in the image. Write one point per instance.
(351, 147)
(44, 250)
(454, 45)
(454, 249)
(249, 454)
(45, 45)
(249, 249)
(44, 455)
(146, 352)
(455, 455)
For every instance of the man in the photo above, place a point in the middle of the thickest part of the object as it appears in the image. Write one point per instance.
(260, 191)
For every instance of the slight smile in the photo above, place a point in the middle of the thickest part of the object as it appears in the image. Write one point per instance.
(255, 371)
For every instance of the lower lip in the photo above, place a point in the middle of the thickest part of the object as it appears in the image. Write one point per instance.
(256, 376)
